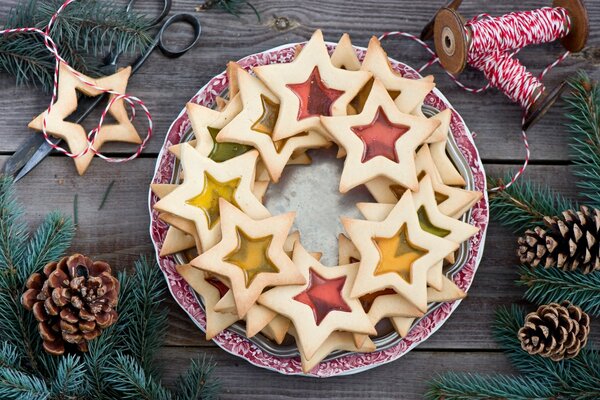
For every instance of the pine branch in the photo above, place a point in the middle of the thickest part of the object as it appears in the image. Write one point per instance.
(452, 386)
(83, 31)
(9, 356)
(21, 386)
(583, 112)
(146, 317)
(523, 205)
(131, 381)
(69, 381)
(49, 243)
(552, 284)
(13, 231)
(198, 382)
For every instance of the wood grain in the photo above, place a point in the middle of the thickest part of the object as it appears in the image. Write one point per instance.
(119, 232)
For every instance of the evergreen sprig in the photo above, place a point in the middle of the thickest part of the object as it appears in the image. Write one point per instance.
(84, 32)
(541, 379)
(583, 112)
(233, 7)
(547, 285)
(524, 204)
(120, 363)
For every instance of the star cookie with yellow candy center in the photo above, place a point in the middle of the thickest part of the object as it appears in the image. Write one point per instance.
(205, 182)
(309, 87)
(396, 253)
(322, 305)
(74, 134)
(452, 201)
(380, 141)
(253, 126)
(251, 255)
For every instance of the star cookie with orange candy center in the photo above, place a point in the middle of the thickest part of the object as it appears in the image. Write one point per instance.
(74, 134)
(250, 255)
(431, 220)
(396, 253)
(322, 305)
(205, 182)
(253, 126)
(452, 201)
(309, 87)
(380, 141)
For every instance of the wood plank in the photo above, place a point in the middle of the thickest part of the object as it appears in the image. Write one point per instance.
(228, 38)
(405, 378)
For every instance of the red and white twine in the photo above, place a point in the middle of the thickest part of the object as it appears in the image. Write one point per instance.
(494, 42)
(115, 96)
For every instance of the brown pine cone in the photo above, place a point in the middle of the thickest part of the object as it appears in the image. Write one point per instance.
(73, 300)
(569, 242)
(557, 331)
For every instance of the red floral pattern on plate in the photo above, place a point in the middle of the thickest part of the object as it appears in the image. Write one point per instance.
(353, 362)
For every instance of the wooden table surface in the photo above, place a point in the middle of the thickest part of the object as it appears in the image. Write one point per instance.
(119, 233)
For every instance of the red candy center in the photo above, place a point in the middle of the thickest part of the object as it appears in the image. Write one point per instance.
(315, 97)
(379, 137)
(323, 296)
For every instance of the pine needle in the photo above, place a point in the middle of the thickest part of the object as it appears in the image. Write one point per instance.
(233, 7)
(106, 193)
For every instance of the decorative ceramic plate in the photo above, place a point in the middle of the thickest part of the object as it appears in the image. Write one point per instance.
(284, 359)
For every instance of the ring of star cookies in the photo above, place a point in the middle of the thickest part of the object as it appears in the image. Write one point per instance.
(248, 265)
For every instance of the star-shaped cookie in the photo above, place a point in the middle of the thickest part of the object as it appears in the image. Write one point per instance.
(430, 219)
(407, 93)
(380, 141)
(396, 253)
(344, 56)
(452, 201)
(207, 181)
(322, 305)
(309, 87)
(253, 126)
(207, 124)
(74, 134)
(437, 146)
(250, 255)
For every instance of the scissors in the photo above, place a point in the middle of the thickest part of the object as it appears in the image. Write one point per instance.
(35, 148)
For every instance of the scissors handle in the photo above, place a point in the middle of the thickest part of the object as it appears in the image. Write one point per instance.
(167, 4)
(189, 19)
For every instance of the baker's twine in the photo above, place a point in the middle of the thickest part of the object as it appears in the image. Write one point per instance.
(494, 42)
(115, 96)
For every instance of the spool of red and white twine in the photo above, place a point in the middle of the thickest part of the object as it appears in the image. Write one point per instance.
(116, 96)
(490, 44)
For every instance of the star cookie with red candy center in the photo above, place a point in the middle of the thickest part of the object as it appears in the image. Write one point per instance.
(205, 183)
(380, 141)
(396, 253)
(250, 255)
(322, 305)
(254, 124)
(309, 87)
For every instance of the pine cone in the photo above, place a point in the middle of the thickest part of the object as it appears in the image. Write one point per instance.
(73, 300)
(569, 243)
(555, 331)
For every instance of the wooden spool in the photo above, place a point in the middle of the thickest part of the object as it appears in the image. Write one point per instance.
(452, 43)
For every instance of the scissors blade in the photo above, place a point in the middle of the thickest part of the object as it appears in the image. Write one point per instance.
(12, 166)
(41, 152)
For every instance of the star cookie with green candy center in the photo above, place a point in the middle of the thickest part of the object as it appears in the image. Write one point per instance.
(207, 123)
(308, 87)
(320, 306)
(396, 253)
(254, 124)
(380, 141)
(205, 182)
(250, 255)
